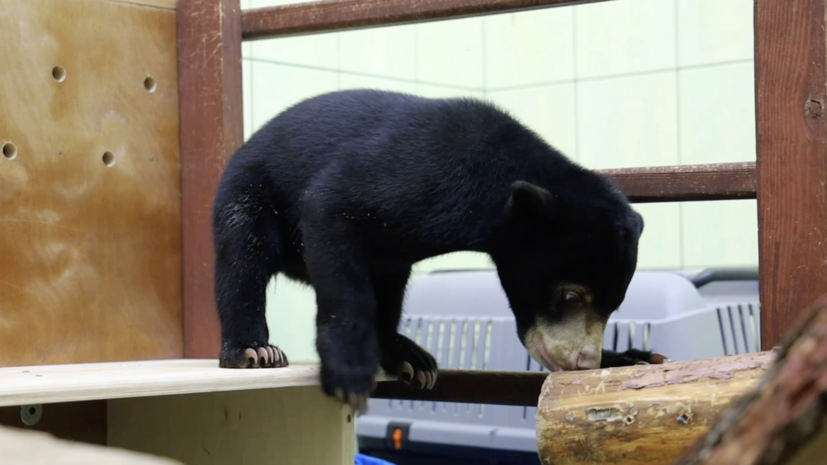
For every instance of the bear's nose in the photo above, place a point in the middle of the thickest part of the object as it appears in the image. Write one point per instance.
(587, 360)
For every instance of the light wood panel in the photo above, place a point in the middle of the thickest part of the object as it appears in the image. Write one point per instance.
(291, 426)
(114, 380)
(21, 447)
(90, 254)
(212, 128)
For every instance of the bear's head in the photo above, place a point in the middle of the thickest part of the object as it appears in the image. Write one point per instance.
(565, 261)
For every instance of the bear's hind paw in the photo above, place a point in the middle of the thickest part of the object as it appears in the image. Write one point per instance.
(252, 355)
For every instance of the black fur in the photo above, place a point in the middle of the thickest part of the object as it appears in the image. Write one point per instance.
(347, 190)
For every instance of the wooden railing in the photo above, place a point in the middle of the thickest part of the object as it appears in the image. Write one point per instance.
(788, 177)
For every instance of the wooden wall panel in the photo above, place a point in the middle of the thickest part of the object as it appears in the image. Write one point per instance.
(90, 207)
(790, 76)
(209, 44)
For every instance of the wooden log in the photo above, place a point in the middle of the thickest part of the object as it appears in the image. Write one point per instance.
(782, 420)
(641, 415)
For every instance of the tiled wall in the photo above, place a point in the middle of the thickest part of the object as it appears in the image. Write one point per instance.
(612, 84)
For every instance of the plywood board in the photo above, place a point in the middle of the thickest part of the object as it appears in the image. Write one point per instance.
(113, 380)
(90, 254)
(20, 447)
(291, 426)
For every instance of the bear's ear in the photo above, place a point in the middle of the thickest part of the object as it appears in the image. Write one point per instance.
(529, 200)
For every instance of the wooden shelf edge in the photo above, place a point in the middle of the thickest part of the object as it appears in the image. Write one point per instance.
(44, 384)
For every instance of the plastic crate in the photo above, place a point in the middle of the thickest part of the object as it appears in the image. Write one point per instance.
(463, 319)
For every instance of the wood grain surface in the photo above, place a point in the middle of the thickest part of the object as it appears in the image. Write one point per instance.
(641, 415)
(337, 15)
(209, 48)
(22, 447)
(90, 254)
(790, 76)
(720, 181)
(116, 380)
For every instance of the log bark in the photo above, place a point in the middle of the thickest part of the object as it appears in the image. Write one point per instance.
(781, 421)
(641, 415)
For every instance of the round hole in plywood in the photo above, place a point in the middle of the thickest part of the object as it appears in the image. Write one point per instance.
(150, 84)
(108, 158)
(59, 73)
(9, 150)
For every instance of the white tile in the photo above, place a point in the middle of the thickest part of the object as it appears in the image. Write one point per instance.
(317, 50)
(547, 110)
(529, 47)
(714, 31)
(624, 36)
(276, 87)
(627, 121)
(450, 52)
(717, 114)
(247, 92)
(291, 318)
(349, 81)
(660, 242)
(383, 52)
(453, 261)
(428, 90)
(720, 233)
(314, 50)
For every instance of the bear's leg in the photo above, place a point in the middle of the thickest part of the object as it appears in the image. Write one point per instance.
(400, 356)
(346, 310)
(630, 357)
(246, 258)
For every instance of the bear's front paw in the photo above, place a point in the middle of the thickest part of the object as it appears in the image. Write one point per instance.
(403, 358)
(351, 385)
(631, 357)
(253, 354)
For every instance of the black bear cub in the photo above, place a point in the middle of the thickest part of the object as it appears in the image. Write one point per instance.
(347, 190)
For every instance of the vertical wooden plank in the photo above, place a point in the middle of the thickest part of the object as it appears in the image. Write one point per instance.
(209, 86)
(790, 78)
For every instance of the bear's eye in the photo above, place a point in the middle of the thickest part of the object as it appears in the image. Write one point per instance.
(572, 298)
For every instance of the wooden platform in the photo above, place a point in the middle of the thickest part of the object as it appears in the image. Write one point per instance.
(116, 380)
(197, 413)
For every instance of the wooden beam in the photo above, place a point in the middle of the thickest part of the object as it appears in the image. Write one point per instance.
(722, 181)
(640, 415)
(782, 420)
(790, 76)
(338, 15)
(209, 83)
(520, 388)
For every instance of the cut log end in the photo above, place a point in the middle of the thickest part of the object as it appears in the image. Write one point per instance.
(642, 415)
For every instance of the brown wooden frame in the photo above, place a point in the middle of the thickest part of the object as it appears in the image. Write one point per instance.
(788, 176)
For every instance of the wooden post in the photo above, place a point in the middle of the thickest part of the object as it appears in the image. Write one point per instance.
(210, 96)
(790, 76)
